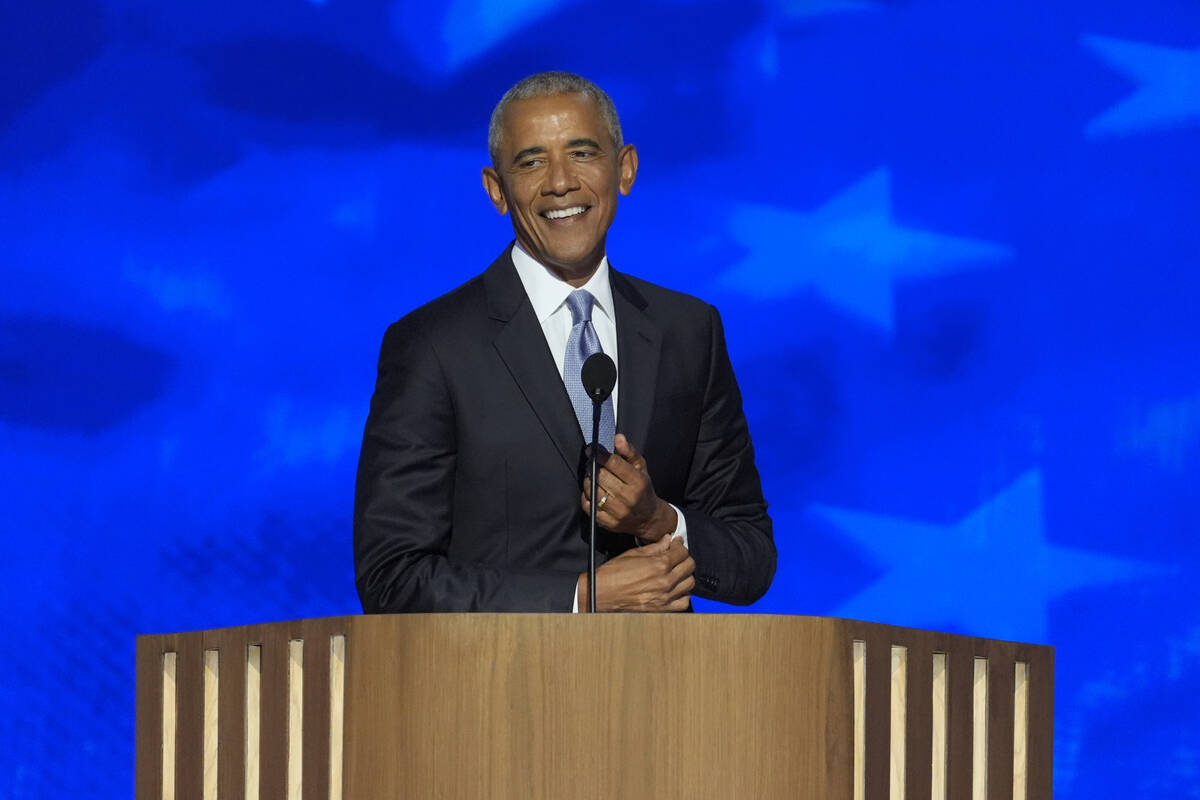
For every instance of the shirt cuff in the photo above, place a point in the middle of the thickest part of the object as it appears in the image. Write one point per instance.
(680, 525)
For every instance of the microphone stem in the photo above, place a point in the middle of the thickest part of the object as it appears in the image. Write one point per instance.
(592, 506)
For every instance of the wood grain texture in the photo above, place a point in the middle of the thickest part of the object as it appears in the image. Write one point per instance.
(1040, 773)
(316, 634)
(920, 723)
(961, 662)
(939, 726)
(273, 730)
(1020, 730)
(231, 703)
(499, 706)
(1001, 667)
(212, 694)
(541, 706)
(337, 713)
(879, 662)
(860, 720)
(898, 724)
(189, 737)
(147, 782)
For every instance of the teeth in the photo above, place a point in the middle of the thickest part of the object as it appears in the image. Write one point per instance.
(561, 213)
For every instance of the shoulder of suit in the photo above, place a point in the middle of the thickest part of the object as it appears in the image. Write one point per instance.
(659, 298)
(463, 301)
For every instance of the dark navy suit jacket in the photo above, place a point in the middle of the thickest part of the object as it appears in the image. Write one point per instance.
(468, 486)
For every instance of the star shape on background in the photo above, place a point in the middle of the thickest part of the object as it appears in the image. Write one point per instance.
(1168, 81)
(447, 37)
(762, 44)
(850, 250)
(993, 573)
(1169, 431)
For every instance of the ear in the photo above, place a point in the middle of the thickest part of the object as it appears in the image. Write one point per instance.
(495, 189)
(627, 164)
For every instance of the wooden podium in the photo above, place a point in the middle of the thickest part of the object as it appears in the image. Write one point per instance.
(628, 706)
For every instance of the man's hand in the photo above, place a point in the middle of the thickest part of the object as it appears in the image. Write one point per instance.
(628, 503)
(657, 577)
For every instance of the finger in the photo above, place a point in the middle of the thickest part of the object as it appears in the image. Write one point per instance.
(681, 603)
(681, 571)
(654, 548)
(676, 552)
(683, 588)
(607, 494)
(626, 450)
(616, 487)
(621, 445)
(623, 471)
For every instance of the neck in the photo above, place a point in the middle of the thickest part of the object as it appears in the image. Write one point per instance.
(572, 274)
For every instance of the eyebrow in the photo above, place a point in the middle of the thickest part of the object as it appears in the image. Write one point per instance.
(538, 149)
(528, 151)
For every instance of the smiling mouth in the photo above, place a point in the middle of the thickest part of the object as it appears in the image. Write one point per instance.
(564, 213)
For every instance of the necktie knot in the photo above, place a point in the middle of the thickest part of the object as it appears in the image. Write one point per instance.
(580, 303)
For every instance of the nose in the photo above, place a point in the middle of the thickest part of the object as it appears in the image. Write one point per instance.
(560, 179)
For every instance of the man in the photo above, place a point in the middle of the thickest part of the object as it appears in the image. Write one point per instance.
(471, 493)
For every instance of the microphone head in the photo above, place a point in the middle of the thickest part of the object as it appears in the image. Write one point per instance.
(599, 376)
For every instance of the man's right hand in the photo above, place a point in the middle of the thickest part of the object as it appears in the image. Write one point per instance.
(657, 577)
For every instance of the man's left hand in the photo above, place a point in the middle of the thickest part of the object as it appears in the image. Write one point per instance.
(628, 503)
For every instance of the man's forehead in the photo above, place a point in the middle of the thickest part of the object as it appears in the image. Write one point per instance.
(554, 115)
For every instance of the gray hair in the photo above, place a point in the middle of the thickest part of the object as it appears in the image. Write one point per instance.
(545, 84)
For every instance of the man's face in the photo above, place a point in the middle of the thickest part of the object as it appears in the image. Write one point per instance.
(558, 174)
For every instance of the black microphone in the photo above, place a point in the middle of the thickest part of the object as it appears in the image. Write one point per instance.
(599, 376)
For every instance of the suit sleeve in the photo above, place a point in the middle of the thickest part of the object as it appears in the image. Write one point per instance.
(404, 500)
(729, 532)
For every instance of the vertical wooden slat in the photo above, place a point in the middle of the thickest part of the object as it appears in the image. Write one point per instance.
(1000, 721)
(1020, 730)
(273, 744)
(295, 720)
(860, 718)
(169, 723)
(337, 713)
(939, 726)
(920, 717)
(1041, 723)
(879, 658)
(961, 675)
(252, 723)
(231, 642)
(148, 770)
(979, 729)
(898, 727)
(189, 739)
(316, 710)
(212, 692)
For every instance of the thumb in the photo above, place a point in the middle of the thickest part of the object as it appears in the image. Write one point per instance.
(624, 448)
(661, 545)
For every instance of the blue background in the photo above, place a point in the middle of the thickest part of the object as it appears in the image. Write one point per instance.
(955, 245)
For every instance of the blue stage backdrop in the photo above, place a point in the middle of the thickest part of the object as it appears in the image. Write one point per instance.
(955, 245)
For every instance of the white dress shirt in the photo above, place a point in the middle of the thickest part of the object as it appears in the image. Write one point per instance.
(548, 295)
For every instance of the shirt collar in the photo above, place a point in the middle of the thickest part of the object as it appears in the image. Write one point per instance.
(547, 292)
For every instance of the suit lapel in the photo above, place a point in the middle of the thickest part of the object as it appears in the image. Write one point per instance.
(522, 346)
(638, 345)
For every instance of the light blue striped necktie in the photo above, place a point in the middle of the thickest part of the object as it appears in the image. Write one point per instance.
(582, 343)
